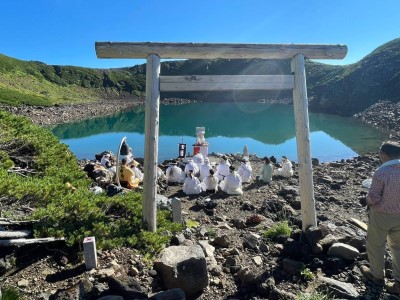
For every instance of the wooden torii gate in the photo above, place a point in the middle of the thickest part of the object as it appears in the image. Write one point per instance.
(155, 83)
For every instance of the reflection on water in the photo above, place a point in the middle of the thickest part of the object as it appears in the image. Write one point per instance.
(267, 129)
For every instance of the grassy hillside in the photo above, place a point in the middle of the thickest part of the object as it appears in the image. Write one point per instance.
(343, 90)
(35, 83)
(350, 89)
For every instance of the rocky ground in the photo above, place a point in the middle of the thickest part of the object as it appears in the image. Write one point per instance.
(242, 263)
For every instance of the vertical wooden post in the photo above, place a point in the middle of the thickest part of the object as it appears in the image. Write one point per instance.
(152, 107)
(300, 104)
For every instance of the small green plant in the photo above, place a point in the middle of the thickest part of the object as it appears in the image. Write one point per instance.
(306, 274)
(10, 293)
(281, 228)
(191, 223)
(211, 232)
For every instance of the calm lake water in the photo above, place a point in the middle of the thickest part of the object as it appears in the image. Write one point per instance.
(267, 129)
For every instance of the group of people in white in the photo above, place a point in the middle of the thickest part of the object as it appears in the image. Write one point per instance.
(199, 176)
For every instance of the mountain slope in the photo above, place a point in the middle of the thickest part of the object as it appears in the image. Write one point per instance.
(35, 83)
(343, 90)
(352, 88)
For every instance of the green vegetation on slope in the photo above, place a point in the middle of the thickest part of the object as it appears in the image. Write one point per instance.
(343, 90)
(35, 83)
(114, 221)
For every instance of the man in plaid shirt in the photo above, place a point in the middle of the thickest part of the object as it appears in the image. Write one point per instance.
(384, 218)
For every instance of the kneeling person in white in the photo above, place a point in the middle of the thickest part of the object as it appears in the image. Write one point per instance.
(210, 183)
(174, 174)
(232, 184)
(286, 170)
(192, 185)
(245, 170)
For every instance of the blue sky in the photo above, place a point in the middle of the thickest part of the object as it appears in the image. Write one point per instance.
(63, 32)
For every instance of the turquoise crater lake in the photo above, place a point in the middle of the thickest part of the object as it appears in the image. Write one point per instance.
(267, 129)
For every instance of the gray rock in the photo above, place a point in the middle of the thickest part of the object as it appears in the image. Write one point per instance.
(277, 294)
(343, 251)
(128, 289)
(231, 261)
(222, 241)
(183, 267)
(173, 294)
(207, 248)
(178, 239)
(358, 242)
(163, 202)
(291, 266)
(247, 277)
(337, 288)
(328, 241)
(250, 241)
(289, 190)
(326, 179)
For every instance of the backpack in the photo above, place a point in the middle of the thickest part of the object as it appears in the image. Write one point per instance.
(113, 189)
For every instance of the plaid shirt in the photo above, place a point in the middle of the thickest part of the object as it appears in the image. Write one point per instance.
(384, 193)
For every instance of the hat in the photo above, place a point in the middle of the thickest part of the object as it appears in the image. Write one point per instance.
(283, 156)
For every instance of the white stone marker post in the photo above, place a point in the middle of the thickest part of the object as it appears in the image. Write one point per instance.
(176, 210)
(89, 250)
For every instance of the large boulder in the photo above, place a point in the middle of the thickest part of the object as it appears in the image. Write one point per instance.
(183, 267)
(343, 251)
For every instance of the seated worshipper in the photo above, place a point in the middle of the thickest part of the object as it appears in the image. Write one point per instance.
(160, 174)
(232, 184)
(266, 171)
(205, 169)
(127, 177)
(286, 170)
(191, 165)
(192, 185)
(106, 162)
(135, 168)
(245, 170)
(223, 168)
(129, 156)
(198, 159)
(174, 174)
(210, 182)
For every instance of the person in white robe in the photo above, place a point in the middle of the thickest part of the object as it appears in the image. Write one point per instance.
(106, 163)
(210, 182)
(136, 170)
(198, 159)
(174, 174)
(160, 174)
(223, 168)
(191, 185)
(245, 170)
(191, 166)
(205, 169)
(232, 184)
(286, 169)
